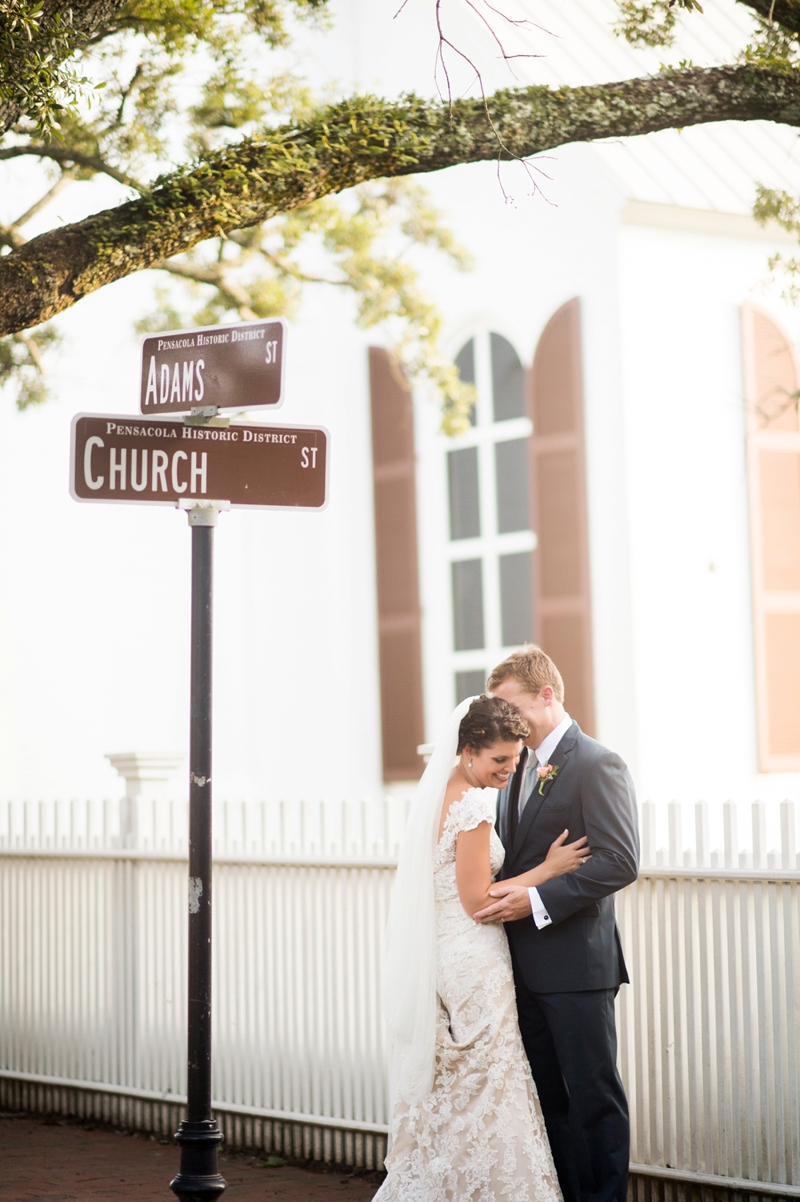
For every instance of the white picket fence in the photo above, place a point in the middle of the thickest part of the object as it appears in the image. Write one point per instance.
(92, 981)
(731, 835)
(265, 829)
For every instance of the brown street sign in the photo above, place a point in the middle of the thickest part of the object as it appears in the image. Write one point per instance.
(168, 462)
(236, 366)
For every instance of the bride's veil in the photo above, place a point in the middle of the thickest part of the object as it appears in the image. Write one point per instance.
(409, 970)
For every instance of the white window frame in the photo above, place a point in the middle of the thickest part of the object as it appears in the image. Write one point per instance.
(438, 551)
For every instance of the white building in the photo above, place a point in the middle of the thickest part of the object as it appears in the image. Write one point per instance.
(629, 494)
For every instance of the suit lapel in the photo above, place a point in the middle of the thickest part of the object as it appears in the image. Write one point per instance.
(538, 801)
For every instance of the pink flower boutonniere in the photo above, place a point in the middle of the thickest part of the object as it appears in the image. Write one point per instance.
(546, 772)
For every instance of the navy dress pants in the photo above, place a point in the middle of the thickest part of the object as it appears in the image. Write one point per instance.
(571, 1043)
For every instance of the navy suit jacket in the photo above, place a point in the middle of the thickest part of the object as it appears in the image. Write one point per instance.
(592, 794)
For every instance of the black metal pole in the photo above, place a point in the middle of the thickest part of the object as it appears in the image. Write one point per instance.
(199, 1179)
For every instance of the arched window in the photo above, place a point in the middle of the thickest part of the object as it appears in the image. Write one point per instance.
(489, 515)
(773, 458)
(561, 571)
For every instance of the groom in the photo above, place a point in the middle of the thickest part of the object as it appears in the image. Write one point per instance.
(565, 946)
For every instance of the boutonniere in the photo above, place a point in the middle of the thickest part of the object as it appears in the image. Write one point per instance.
(546, 772)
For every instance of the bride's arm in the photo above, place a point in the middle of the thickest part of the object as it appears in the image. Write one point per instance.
(473, 868)
(562, 857)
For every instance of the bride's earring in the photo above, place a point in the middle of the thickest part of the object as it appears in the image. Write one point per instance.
(470, 763)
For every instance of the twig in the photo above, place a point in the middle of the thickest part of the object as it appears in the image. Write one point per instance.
(64, 154)
(233, 292)
(10, 237)
(302, 276)
(134, 79)
(506, 57)
(65, 178)
(33, 350)
(445, 42)
(792, 401)
(522, 21)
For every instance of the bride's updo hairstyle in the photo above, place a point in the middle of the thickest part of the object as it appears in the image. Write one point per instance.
(491, 720)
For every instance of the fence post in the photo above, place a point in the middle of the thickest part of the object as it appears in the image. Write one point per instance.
(788, 835)
(146, 775)
(648, 834)
(758, 810)
(730, 834)
(675, 837)
(702, 840)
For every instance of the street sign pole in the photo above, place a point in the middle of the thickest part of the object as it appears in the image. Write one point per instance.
(148, 460)
(199, 1136)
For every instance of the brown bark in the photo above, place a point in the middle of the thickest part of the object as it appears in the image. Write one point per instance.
(361, 139)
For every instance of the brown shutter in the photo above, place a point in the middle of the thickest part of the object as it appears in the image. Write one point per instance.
(562, 613)
(396, 566)
(773, 464)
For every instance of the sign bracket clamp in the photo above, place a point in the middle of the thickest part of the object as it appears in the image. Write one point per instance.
(202, 512)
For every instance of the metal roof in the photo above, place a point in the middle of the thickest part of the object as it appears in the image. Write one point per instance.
(714, 167)
(706, 167)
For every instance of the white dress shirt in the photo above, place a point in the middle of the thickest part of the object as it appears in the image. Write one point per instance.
(540, 756)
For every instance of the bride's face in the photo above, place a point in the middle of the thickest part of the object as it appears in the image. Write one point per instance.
(493, 766)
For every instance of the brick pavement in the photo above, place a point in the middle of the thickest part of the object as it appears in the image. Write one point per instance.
(57, 1160)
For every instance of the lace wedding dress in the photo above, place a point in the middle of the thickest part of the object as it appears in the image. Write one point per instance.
(479, 1136)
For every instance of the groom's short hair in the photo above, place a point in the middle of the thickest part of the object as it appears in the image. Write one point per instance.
(532, 669)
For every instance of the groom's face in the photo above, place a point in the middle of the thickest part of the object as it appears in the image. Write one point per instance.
(535, 708)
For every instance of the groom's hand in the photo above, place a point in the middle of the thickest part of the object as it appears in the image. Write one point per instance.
(513, 902)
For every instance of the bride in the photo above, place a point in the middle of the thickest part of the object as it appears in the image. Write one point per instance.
(466, 1125)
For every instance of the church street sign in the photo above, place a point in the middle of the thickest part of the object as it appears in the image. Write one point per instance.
(170, 462)
(236, 366)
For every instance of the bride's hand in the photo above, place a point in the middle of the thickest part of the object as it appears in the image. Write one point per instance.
(566, 857)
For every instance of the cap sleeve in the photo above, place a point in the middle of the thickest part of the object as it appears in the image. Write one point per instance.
(475, 807)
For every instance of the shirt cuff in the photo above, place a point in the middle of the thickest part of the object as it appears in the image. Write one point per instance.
(538, 911)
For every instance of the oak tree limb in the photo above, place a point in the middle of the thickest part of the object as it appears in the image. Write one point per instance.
(361, 139)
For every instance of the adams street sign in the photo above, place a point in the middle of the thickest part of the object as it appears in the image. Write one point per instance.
(236, 366)
(169, 462)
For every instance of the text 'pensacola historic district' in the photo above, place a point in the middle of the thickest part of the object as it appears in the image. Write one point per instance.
(164, 462)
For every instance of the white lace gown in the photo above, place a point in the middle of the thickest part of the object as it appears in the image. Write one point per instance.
(480, 1135)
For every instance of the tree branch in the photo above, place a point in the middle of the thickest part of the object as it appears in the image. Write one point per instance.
(288, 268)
(783, 12)
(66, 177)
(79, 158)
(11, 235)
(216, 277)
(365, 138)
